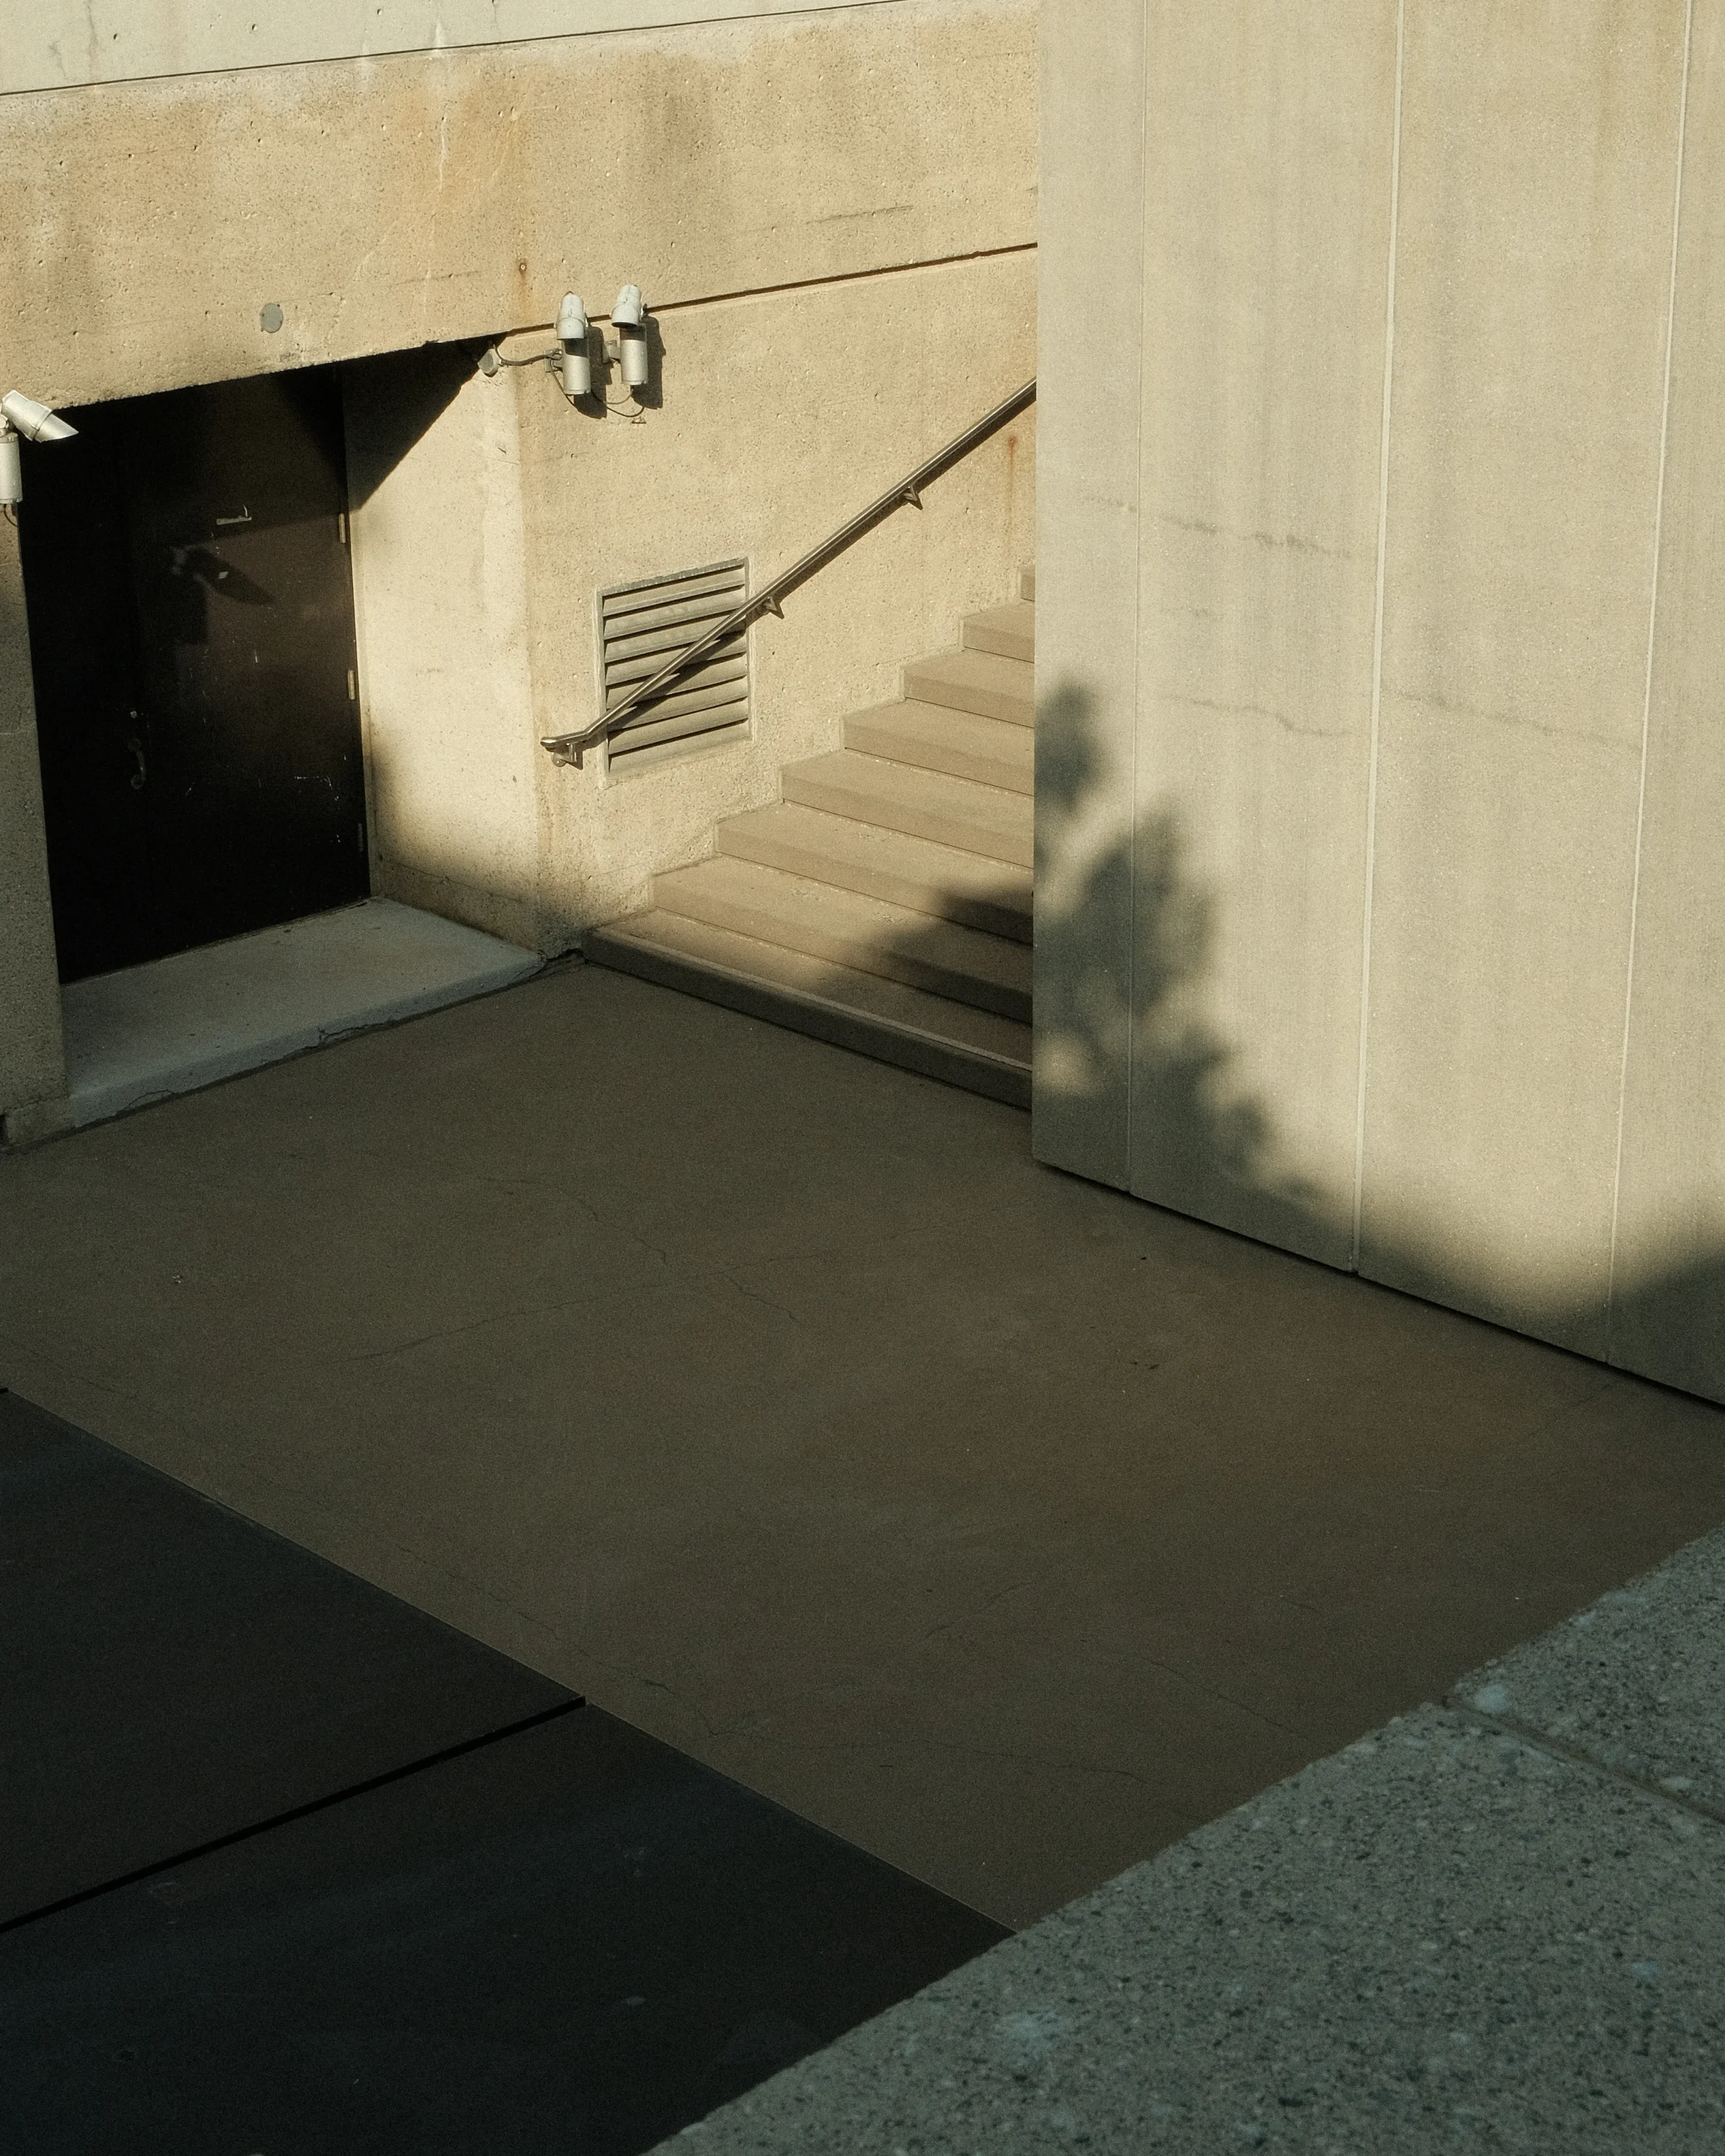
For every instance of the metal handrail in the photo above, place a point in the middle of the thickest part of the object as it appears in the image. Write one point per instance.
(569, 748)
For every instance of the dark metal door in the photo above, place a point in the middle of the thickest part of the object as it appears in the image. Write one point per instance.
(192, 634)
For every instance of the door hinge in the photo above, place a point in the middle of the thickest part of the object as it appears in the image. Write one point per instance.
(341, 525)
(353, 687)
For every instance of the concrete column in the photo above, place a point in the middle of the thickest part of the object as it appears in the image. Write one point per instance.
(32, 1073)
(440, 583)
(1668, 1257)
(1217, 190)
(1090, 339)
(1267, 224)
(1539, 163)
(1384, 918)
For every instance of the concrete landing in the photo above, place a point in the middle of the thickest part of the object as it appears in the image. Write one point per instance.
(187, 1021)
(1494, 1923)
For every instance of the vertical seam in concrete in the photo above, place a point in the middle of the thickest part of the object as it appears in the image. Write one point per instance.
(1665, 422)
(1365, 963)
(356, 581)
(1138, 466)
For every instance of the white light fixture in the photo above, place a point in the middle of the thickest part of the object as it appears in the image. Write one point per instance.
(23, 415)
(630, 318)
(576, 362)
(571, 358)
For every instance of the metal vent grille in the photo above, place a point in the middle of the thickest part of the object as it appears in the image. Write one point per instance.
(644, 626)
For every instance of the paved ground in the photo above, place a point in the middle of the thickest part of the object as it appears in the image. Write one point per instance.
(775, 1399)
(1495, 1924)
(149, 1031)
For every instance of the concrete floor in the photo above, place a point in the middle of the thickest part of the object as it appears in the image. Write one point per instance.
(150, 1031)
(1495, 1924)
(777, 1400)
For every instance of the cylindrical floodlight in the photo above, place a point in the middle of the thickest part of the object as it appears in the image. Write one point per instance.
(23, 415)
(575, 366)
(630, 317)
(34, 421)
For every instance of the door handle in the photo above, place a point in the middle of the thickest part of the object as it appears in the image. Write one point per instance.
(141, 774)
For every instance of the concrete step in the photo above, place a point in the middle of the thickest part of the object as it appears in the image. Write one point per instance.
(862, 1011)
(925, 805)
(979, 681)
(1009, 631)
(989, 895)
(846, 928)
(935, 738)
(1027, 583)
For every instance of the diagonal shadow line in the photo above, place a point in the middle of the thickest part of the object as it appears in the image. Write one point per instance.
(298, 1812)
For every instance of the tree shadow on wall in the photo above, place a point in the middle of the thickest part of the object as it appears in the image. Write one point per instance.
(1133, 1079)
(1127, 1063)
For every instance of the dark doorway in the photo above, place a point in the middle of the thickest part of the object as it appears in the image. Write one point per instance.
(191, 610)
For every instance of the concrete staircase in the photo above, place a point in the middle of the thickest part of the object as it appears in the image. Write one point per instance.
(884, 902)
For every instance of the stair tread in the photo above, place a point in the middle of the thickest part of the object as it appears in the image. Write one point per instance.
(877, 1016)
(937, 737)
(917, 873)
(975, 681)
(928, 804)
(1009, 630)
(845, 927)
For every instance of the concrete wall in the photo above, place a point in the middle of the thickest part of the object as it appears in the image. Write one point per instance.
(32, 1070)
(54, 44)
(489, 516)
(1380, 906)
(832, 214)
(385, 203)
(440, 579)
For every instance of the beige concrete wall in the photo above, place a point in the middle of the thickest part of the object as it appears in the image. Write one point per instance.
(1089, 417)
(31, 1068)
(488, 519)
(783, 415)
(440, 579)
(832, 213)
(54, 44)
(1416, 740)
(1532, 299)
(385, 204)
(1214, 832)
(1667, 1310)
(489, 516)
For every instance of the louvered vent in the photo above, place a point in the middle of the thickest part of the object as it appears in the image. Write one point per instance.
(644, 626)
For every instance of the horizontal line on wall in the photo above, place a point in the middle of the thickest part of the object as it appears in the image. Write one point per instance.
(796, 284)
(738, 12)
(844, 277)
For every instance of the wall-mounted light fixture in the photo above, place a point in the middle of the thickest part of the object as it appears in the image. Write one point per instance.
(576, 367)
(570, 358)
(629, 319)
(23, 415)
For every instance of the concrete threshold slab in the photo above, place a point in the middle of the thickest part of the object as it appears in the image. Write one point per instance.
(156, 1030)
(1495, 1923)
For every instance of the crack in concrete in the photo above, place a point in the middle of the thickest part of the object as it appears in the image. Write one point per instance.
(457, 1331)
(1242, 710)
(1290, 541)
(750, 1295)
(1576, 1755)
(1452, 709)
